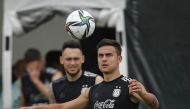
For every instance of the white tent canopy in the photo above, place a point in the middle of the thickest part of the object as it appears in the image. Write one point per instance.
(22, 16)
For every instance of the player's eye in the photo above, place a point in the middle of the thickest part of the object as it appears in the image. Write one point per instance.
(68, 59)
(100, 55)
(75, 59)
(108, 55)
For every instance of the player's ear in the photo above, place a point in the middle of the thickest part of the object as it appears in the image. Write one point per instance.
(83, 58)
(61, 59)
(120, 58)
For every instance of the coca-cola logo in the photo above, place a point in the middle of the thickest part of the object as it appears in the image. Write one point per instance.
(108, 104)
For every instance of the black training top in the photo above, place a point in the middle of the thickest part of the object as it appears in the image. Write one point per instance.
(65, 90)
(111, 95)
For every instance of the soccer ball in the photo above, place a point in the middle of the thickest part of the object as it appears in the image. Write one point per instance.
(80, 24)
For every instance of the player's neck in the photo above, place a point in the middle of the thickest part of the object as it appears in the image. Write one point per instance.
(74, 77)
(111, 76)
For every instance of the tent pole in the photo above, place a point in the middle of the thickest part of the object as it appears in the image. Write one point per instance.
(7, 63)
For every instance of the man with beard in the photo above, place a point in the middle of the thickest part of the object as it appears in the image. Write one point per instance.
(76, 79)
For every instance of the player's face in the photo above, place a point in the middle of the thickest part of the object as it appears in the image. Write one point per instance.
(72, 60)
(108, 60)
(36, 65)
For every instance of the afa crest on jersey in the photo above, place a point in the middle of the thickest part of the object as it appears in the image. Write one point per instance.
(116, 92)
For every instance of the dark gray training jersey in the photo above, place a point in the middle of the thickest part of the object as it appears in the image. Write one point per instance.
(65, 90)
(111, 95)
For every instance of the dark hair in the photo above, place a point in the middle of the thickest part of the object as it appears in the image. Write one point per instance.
(32, 54)
(52, 58)
(110, 42)
(18, 69)
(72, 44)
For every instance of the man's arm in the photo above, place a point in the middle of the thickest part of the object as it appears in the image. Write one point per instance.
(51, 95)
(39, 84)
(139, 93)
(34, 72)
(51, 106)
(79, 103)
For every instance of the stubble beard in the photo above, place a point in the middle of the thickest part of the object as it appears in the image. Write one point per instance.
(73, 74)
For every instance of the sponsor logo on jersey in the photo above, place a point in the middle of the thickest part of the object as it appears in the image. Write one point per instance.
(108, 104)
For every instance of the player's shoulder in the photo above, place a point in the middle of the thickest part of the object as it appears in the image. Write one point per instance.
(89, 74)
(60, 80)
(125, 78)
(95, 86)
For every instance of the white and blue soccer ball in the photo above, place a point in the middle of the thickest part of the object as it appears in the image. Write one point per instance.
(80, 24)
